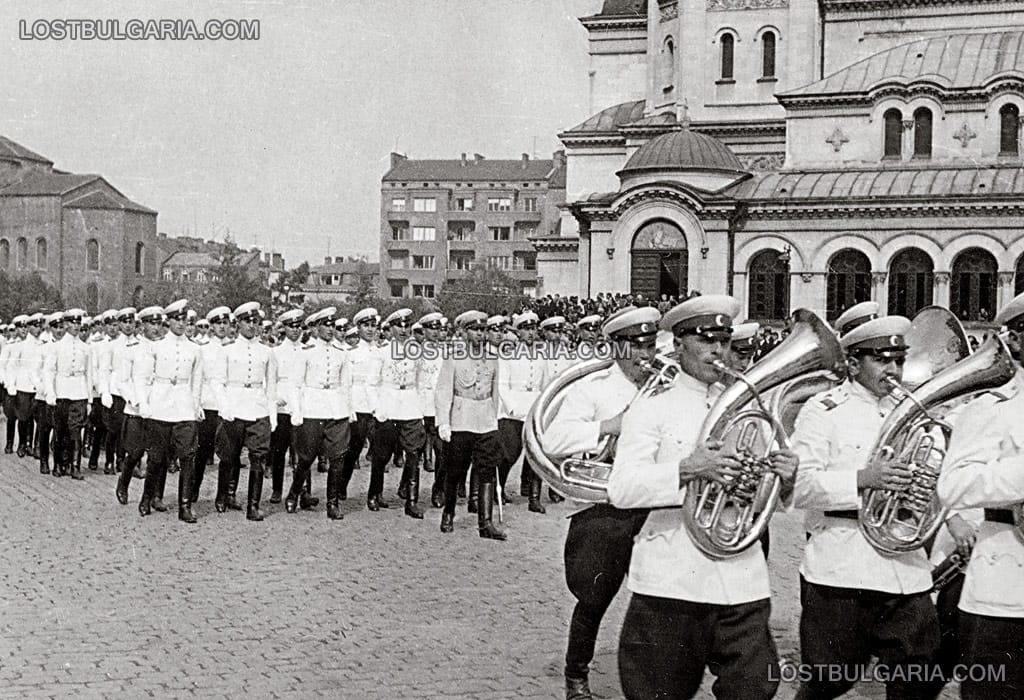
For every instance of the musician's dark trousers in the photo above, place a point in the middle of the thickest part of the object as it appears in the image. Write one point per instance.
(43, 417)
(948, 655)
(23, 406)
(597, 553)
(133, 441)
(842, 628)
(333, 433)
(436, 446)
(99, 433)
(206, 446)
(510, 432)
(280, 441)
(994, 645)
(167, 440)
(68, 422)
(360, 432)
(483, 450)
(390, 438)
(12, 419)
(113, 419)
(666, 644)
(232, 436)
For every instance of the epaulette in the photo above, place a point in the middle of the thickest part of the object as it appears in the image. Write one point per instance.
(228, 342)
(309, 346)
(131, 343)
(833, 397)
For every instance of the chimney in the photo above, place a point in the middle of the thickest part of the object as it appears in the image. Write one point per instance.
(463, 160)
(327, 260)
(526, 159)
(477, 157)
(278, 260)
(559, 158)
(339, 259)
(396, 158)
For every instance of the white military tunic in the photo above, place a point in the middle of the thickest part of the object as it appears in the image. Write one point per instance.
(576, 428)
(325, 390)
(520, 380)
(399, 387)
(172, 383)
(364, 366)
(129, 370)
(210, 352)
(244, 380)
(289, 366)
(69, 365)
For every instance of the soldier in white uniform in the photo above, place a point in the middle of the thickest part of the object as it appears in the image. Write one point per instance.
(14, 332)
(856, 601)
(211, 347)
(589, 329)
(100, 349)
(289, 362)
(111, 401)
(430, 368)
(69, 368)
(364, 364)
(984, 468)
(27, 368)
(245, 386)
(856, 315)
(130, 377)
(171, 403)
(45, 402)
(600, 538)
(689, 612)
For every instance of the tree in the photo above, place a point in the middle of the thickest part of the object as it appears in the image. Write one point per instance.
(234, 284)
(28, 293)
(485, 289)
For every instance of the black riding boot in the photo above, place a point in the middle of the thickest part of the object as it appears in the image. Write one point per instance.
(535, 488)
(185, 514)
(474, 491)
(76, 459)
(412, 496)
(232, 500)
(334, 481)
(488, 530)
(252, 512)
(123, 481)
(220, 502)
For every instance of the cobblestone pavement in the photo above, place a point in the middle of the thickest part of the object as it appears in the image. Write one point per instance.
(98, 602)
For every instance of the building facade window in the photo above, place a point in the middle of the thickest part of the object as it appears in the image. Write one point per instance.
(423, 233)
(893, 140)
(768, 55)
(462, 260)
(499, 262)
(168, 274)
(668, 64)
(500, 233)
(524, 261)
(1009, 130)
(973, 285)
(529, 204)
(922, 133)
(21, 253)
(464, 204)
(92, 255)
(728, 46)
(399, 233)
(397, 262)
(911, 281)
(423, 262)
(140, 258)
(397, 288)
(41, 253)
(769, 286)
(398, 204)
(499, 204)
(5, 254)
(848, 282)
(423, 290)
(460, 233)
(424, 204)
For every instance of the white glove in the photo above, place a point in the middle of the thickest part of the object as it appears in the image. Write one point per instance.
(295, 420)
(226, 416)
(379, 415)
(273, 422)
(107, 400)
(444, 432)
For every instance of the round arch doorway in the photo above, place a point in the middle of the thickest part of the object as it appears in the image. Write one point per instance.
(659, 262)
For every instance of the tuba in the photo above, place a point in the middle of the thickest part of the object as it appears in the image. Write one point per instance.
(583, 479)
(725, 519)
(901, 521)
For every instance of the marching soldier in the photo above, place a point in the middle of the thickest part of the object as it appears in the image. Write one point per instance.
(430, 368)
(589, 329)
(398, 418)
(600, 539)
(130, 376)
(211, 348)
(99, 350)
(7, 379)
(983, 469)
(45, 403)
(529, 361)
(857, 602)
(743, 346)
(245, 387)
(287, 354)
(365, 359)
(466, 403)
(171, 403)
(27, 368)
(689, 612)
(69, 367)
(320, 412)
(110, 397)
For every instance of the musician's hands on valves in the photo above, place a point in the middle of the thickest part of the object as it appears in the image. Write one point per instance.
(883, 473)
(710, 461)
(613, 425)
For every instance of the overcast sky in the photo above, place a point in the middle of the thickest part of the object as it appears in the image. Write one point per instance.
(282, 141)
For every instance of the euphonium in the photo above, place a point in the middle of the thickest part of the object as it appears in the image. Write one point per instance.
(724, 520)
(902, 521)
(583, 479)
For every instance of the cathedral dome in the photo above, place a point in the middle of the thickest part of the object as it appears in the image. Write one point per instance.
(682, 150)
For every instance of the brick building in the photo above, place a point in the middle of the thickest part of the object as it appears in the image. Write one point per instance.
(82, 235)
(337, 282)
(442, 218)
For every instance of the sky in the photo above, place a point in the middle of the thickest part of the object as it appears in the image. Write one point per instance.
(282, 142)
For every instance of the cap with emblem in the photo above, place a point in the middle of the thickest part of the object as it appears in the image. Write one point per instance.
(553, 323)
(191, 315)
(107, 316)
(176, 309)
(431, 320)
(592, 322)
(151, 314)
(856, 315)
(744, 337)
(128, 313)
(202, 323)
(709, 315)
(402, 317)
(322, 317)
(19, 320)
(883, 337)
(367, 315)
(87, 321)
(496, 321)
(36, 318)
(632, 323)
(291, 318)
(349, 332)
(471, 319)
(74, 315)
(527, 319)
(220, 314)
(55, 319)
(1012, 315)
(341, 323)
(266, 324)
(248, 312)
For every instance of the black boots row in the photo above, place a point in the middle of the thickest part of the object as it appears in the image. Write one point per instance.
(485, 511)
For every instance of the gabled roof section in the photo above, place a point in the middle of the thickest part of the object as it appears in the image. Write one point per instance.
(950, 63)
(99, 199)
(348, 267)
(10, 149)
(185, 258)
(608, 120)
(47, 184)
(468, 170)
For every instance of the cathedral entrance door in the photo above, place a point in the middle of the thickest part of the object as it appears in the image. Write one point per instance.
(659, 261)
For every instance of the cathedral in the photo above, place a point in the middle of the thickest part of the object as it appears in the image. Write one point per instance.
(798, 153)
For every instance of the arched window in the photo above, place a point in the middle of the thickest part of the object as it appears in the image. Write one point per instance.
(769, 286)
(728, 42)
(1018, 276)
(848, 281)
(140, 258)
(1009, 130)
(972, 290)
(5, 254)
(21, 252)
(911, 280)
(668, 64)
(893, 133)
(41, 253)
(922, 132)
(92, 255)
(768, 55)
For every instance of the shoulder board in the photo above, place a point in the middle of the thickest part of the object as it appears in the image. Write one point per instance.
(309, 346)
(131, 343)
(833, 398)
(201, 341)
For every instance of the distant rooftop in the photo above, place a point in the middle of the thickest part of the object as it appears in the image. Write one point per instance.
(469, 170)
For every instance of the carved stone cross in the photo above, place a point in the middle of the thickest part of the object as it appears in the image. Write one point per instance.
(837, 139)
(964, 135)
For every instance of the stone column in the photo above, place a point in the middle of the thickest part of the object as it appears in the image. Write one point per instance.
(940, 294)
(880, 291)
(739, 291)
(807, 290)
(1005, 293)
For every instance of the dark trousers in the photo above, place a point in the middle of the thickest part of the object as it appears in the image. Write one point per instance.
(597, 552)
(666, 644)
(68, 422)
(390, 438)
(232, 436)
(113, 419)
(483, 450)
(359, 433)
(948, 655)
(510, 432)
(844, 627)
(331, 433)
(23, 406)
(11, 416)
(434, 443)
(992, 644)
(42, 414)
(280, 441)
(206, 447)
(167, 441)
(133, 442)
(99, 433)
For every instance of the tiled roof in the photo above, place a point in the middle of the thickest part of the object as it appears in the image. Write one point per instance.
(924, 183)
(952, 61)
(51, 184)
(683, 150)
(363, 268)
(610, 119)
(10, 149)
(472, 171)
(102, 200)
(189, 259)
